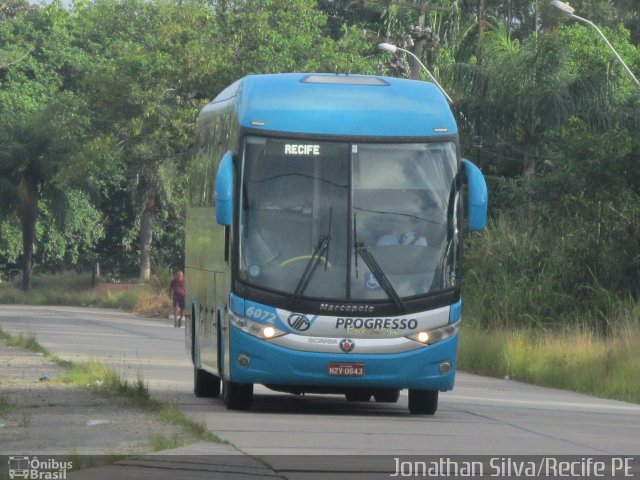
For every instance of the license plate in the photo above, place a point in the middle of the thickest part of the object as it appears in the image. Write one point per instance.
(346, 369)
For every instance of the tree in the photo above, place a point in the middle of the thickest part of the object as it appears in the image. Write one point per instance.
(11, 8)
(527, 92)
(145, 92)
(611, 13)
(157, 63)
(284, 36)
(39, 112)
(33, 148)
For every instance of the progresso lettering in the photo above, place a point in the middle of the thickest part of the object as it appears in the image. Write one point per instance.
(378, 323)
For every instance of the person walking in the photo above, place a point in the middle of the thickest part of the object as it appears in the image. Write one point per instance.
(177, 293)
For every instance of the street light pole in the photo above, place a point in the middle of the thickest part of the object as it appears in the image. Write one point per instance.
(388, 47)
(568, 10)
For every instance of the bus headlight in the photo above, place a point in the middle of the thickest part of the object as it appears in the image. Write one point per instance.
(423, 337)
(435, 335)
(256, 329)
(269, 332)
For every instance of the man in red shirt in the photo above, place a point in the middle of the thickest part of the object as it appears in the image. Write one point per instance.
(177, 293)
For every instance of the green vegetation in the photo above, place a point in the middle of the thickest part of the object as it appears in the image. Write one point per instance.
(549, 297)
(160, 442)
(147, 299)
(107, 381)
(102, 98)
(170, 413)
(5, 406)
(126, 300)
(575, 360)
(28, 342)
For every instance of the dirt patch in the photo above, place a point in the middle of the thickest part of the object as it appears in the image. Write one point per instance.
(41, 416)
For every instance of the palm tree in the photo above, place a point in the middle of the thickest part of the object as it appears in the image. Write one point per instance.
(32, 150)
(528, 90)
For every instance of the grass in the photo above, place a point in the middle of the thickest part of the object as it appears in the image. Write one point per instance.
(160, 442)
(106, 380)
(578, 360)
(5, 406)
(76, 289)
(28, 342)
(170, 413)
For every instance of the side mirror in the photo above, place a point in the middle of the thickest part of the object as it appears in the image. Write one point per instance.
(478, 197)
(224, 190)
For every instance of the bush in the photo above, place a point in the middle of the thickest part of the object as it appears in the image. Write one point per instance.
(77, 289)
(547, 260)
(573, 359)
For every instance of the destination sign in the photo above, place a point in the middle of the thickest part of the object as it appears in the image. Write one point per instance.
(297, 149)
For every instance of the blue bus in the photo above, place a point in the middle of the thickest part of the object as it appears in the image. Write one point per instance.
(323, 239)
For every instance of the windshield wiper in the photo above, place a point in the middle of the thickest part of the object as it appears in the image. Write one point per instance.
(377, 272)
(316, 257)
(321, 250)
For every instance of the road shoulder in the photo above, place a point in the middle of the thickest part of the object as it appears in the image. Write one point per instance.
(40, 415)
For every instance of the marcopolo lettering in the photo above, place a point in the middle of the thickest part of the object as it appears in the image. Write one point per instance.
(378, 323)
(330, 307)
(293, 149)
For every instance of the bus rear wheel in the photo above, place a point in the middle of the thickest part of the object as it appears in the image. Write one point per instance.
(205, 384)
(237, 396)
(423, 402)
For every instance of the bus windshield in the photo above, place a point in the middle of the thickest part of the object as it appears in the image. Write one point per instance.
(348, 221)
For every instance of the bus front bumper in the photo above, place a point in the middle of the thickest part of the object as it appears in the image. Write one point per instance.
(269, 364)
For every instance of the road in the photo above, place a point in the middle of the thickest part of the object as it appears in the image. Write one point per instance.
(481, 416)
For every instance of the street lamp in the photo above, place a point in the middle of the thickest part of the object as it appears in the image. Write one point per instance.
(568, 10)
(388, 47)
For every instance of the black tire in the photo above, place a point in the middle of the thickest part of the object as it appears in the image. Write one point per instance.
(387, 396)
(237, 396)
(357, 396)
(205, 384)
(423, 402)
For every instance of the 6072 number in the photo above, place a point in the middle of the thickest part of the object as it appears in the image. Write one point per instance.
(260, 314)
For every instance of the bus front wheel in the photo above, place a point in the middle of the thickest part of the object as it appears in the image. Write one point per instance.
(237, 396)
(423, 402)
(205, 384)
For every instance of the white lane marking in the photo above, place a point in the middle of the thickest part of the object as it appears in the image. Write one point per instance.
(540, 403)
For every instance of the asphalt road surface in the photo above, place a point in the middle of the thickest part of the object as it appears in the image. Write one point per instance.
(481, 416)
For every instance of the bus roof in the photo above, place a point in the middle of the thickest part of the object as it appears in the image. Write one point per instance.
(329, 104)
